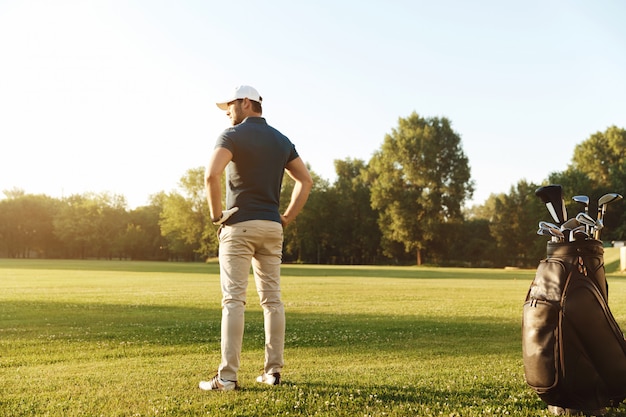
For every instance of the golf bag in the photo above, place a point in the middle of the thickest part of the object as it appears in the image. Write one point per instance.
(573, 349)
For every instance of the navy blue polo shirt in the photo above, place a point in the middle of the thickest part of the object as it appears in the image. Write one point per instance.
(254, 176)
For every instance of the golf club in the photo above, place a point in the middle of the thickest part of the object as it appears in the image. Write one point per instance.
(556, 235)
(584, 201)
(605, 200)
(586, 220)
(552, 197)
(599, 226)
(578, 234)
(581, 227)
(570, 224)
(550, 229)
(548, 225)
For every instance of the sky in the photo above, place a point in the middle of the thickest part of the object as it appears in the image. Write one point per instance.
(119, 96)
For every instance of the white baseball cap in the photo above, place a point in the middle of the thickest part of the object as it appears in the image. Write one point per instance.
(242, 91)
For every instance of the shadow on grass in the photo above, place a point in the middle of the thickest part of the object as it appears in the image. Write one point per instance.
(112, 265)
(402, 272)
(484, 398)
(288, 270)
(92, 324)
(412, 392)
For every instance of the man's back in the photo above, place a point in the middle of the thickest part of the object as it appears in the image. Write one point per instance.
(255, 174)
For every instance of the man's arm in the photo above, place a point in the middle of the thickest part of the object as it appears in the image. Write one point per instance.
(300, 174)
(213, 180)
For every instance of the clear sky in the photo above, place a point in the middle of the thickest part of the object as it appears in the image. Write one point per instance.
(118, 96)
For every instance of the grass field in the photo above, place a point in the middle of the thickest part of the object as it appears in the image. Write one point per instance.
(107, 338)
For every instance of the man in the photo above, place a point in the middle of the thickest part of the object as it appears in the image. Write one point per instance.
(255, 156)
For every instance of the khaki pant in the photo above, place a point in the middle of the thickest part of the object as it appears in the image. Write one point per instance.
(257, 243)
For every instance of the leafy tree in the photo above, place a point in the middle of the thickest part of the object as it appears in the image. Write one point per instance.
(26, 225)
(184, 219)
(603, 157)
(575, 182)
(11, 237)
(357, 235)
(73, 226)
(112, 222)
(310, 236)
(180, 227)
(601, 160)
(91, 224)
(481, 249)
(142, 238)
(420, 179)
(292, 248)
(514, 225)
(14, 193)
(464, 243)
(475, 245)
(482, 211)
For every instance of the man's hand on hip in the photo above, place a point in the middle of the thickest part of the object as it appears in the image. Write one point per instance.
(225, 216)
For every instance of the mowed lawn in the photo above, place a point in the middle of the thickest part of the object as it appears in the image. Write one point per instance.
(112, 338)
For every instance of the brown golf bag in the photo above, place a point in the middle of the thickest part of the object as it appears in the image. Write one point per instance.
(573, 349)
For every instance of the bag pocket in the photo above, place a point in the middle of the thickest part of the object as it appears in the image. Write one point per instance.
(540, 344)
(549, 281)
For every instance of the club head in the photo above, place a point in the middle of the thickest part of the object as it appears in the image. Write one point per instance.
(582, 199)
(608, 199)
(570, 224)
(598, 228)
(545, 230)
(558, 234)
(578, 234)
(586, 219)
(548, 225)
(552, 197)
(604, 201)
(549, 232)
(600, 224)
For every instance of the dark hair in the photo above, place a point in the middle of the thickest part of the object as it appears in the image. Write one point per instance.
(256, 106)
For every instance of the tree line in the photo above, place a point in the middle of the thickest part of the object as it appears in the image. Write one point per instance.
(403, 206)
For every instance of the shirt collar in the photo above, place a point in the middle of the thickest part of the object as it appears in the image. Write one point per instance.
(254, 119)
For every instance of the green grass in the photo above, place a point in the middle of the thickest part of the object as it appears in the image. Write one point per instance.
(612, 260)
(100, 338)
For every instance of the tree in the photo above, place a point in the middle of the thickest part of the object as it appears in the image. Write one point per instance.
(26, 225)
(309, 237)
(14, 193)
(112, 222)
(514, 225)
(357, 236)
(575, 182)
(142, 238)
(603, 157)
(420, 179)
(91, 224)
(184, 219)
(602, 160)
(11, 236)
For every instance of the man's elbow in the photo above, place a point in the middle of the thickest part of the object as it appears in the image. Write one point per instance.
(307, 183)
(212, 177)
(212, 183)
